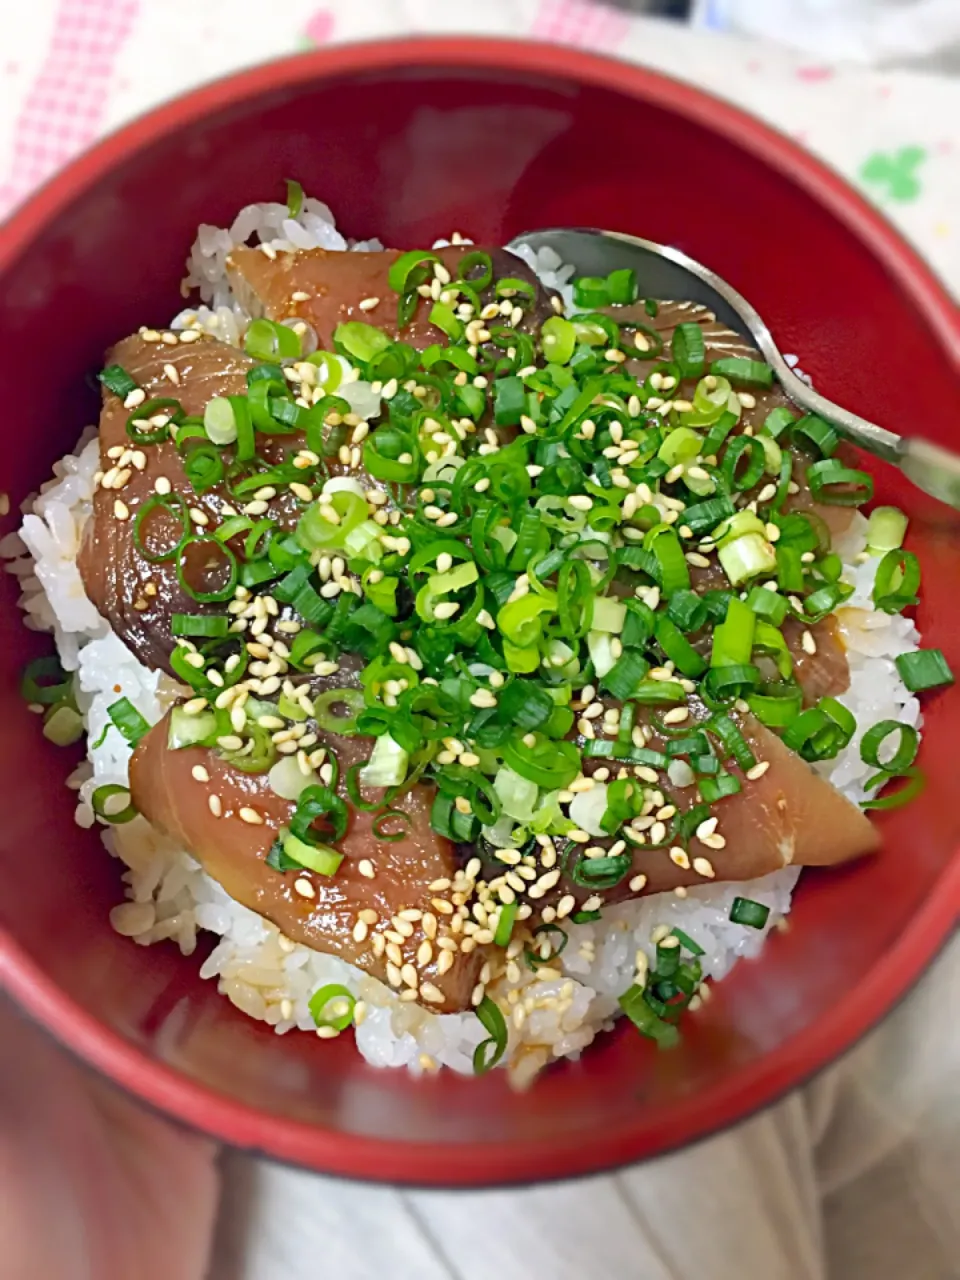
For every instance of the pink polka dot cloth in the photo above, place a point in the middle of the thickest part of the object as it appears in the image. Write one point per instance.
(72, 69)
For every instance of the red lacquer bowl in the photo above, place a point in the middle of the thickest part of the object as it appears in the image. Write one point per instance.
(408, 141)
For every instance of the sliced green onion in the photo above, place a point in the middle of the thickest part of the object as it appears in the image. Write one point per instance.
(622, 286)
(558, 340)
(116, 379)
(816, 433)
(776, 706)
(294, 197)
(681, 445)
(329, 718)
(601, 873)
(44, 681)
(767, 604)
(489, 1052)
(112, 804)
(211, 626)
(821, 732)
(689, 350)
(924, 669)
(747, 912)
(897, 583)
(63, 725)
(749, 451)
(908, 744)
(832, 482)
(778, 420)
(535, 957)
(551, 765)
(269, 340)
(886, 530)
(161, 406)
(914, 782)
(591, 292)
(128, 720)
(319, 858)
(508, 914)
(332, 1006)
(635, 1005)
(445, 318)
(687, 942)
(754, 374)
(668, 550)
(733, 638)
(678, 648)
(224, 555)
(704, 516)
(219, 421)
(509, 401)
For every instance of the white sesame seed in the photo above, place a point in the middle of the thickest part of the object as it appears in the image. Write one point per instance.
(200, 773)
(758, 770)
(808, 642)
(215, 805)
(305, 890)
(679, 857)
(365, 867)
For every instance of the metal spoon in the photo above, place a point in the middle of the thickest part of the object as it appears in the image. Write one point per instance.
(666, 273)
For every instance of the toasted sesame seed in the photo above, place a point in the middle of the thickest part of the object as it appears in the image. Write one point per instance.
(120, 510)
(304, 888)
(675, 716)
(252, 816)
(581, 501)
(483, 698)
(704, 867)
(758, 770)
(200, 773)
(365, 867)
(679, 858)
(808, 642)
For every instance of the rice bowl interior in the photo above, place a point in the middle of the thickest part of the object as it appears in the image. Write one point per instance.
(170, 897)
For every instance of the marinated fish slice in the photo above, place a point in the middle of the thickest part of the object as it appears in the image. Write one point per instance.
(722, 343)
(229, 820)
(136, 596)
(820, 664)
(325, 288)
(787, 815)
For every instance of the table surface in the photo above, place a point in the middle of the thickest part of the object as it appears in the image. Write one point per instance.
(73, 69)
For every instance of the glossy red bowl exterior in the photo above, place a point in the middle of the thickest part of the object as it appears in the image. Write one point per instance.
(408, 141)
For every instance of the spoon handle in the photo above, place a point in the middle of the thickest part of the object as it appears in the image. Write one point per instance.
(934, 470)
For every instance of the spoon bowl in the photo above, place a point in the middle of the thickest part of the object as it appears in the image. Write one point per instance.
(666, 273)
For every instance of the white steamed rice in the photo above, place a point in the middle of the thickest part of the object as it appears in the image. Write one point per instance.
(168, 895)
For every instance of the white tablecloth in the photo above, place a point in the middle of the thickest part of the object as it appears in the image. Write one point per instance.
(875, 1144)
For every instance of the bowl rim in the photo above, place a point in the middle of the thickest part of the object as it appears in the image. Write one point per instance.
(751, 1088)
